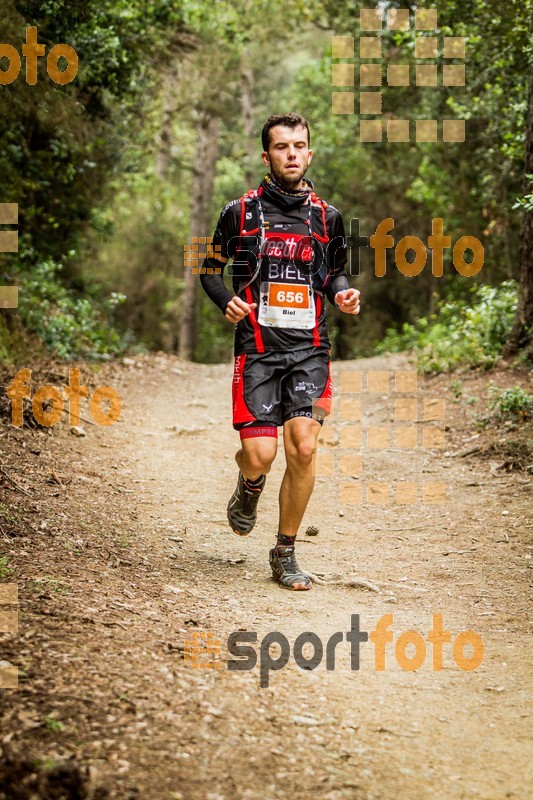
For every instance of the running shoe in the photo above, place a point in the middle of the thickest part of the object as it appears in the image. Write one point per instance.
(285, 570)
(242, 507)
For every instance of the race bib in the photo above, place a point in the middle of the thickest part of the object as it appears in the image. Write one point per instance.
(286, 305)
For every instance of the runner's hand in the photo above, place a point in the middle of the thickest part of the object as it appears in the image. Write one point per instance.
(237, 309)
(348, 301)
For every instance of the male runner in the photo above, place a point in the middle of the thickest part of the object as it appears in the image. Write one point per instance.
(288, 250)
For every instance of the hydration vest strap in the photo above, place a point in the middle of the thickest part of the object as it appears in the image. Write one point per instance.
(250, 200)
(317, 202)
(248, 197)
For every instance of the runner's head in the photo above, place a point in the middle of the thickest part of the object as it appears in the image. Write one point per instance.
(286, 152)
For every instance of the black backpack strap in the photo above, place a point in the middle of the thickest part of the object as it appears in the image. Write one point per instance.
(321, 237)
(250, 239)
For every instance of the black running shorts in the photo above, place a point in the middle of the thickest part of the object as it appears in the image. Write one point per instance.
(271, 388)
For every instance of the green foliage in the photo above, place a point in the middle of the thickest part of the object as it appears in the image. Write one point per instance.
(471, 185)
(100, 218)
(511, 408)
(470, 332)
(515, 404)
(69, 325)
(457, 389)
(53, 725)
(47, 764)
(5, 571)
(525, 203)
(215, 335)
(139, 255)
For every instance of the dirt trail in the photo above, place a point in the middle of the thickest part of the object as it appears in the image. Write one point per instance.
(130, 554)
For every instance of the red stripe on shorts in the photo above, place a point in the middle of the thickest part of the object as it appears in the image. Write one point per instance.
(318, 311)
(241, 412)
(257, 330)
(324, 401)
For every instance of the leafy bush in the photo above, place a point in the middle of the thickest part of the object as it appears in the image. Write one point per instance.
(515, 404)
(461, 332)
(512, 409)
(69, 325)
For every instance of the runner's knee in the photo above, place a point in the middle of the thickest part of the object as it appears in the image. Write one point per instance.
(260, 455)
(300, 452)
(258, 465)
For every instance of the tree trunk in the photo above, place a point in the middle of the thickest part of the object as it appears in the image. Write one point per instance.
(170, 82)
(204, 177)
(247, 106)
(521, 337)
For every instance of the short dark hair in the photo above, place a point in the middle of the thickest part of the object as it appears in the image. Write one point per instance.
(290, 120)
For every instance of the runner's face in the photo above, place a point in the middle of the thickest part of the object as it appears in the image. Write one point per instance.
(288, 155)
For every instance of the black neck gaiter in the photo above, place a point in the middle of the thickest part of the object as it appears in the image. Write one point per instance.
(284, 197)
